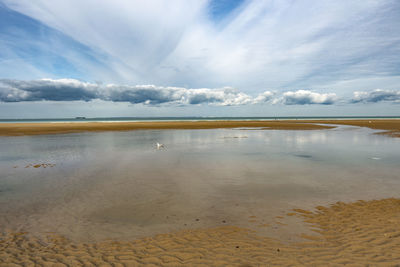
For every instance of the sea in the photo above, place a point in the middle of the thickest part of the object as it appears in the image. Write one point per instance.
(128, 119)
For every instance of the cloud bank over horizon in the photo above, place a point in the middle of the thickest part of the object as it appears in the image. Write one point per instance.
(152, 95)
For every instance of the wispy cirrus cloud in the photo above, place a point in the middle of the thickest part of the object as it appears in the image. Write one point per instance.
(375, 96)
(260, 44)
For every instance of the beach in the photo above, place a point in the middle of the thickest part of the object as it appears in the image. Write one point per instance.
(233, 194)
(240, 133)
(359, 233)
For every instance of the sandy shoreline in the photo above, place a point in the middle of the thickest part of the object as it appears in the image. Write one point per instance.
(391, 127)
(359, 233)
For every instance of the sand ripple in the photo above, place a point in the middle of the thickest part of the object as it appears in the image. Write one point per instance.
(358, 234)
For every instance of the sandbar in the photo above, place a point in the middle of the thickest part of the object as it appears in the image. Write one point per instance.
(390, 127)
(15, 129)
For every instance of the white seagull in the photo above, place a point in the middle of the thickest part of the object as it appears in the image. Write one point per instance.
(159, 146)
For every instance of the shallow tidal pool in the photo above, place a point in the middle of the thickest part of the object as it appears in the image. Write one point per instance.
(118, 185)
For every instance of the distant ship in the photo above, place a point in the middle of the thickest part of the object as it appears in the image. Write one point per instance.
(80, 118)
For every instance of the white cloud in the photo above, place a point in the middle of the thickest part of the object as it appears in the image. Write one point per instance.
(304, 97)
(264, 97)
(226, 96)
(377, 95)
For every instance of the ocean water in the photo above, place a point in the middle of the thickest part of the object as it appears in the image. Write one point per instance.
(117, 185)
(127, 119)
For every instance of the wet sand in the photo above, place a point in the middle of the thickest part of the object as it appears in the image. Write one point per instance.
(356, 234)
(390, 127)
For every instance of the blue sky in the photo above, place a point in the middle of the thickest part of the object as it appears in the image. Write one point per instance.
(199, 58)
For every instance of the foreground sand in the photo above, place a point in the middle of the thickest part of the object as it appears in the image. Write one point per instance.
(390, 127)
(356, 234)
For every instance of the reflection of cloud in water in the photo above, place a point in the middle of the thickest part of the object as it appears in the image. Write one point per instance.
(300, 139)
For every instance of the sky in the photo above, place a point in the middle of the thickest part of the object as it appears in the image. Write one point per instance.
(100, 58)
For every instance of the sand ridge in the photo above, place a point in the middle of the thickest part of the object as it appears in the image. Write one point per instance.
(390, 127)
(361, 233)
(16, 129)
